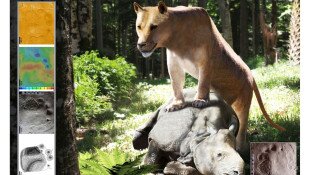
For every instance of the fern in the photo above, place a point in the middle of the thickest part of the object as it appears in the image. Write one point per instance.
(133, 167)
(115, 162)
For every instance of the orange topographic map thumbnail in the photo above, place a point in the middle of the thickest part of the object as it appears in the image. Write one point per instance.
(36, 22)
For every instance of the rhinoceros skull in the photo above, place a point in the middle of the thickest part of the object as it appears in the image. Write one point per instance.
(216, 154)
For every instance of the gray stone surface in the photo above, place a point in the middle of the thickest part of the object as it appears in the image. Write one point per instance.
(36, 113)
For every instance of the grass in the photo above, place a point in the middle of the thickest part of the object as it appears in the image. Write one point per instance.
(278, 85)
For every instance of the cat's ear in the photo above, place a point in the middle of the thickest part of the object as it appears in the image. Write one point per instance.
(137, 7)
(162, 7)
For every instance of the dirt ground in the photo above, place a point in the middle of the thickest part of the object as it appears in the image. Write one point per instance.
(36, 113)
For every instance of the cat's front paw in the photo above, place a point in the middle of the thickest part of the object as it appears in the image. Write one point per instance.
(200, 103)
(175, 105)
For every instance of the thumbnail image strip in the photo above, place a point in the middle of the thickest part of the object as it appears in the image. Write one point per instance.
(36, 154)
(36, 112)
(36, 68)
(36, 22)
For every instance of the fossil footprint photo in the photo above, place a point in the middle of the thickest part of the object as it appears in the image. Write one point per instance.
(34, 159)
(36, 113)
(274, 158)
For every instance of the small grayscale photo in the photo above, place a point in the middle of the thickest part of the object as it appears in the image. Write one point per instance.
(35, 158)
(36, 113)
(273, 158)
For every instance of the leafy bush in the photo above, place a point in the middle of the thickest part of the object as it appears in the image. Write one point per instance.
(88, 104)
(100, 82)
(114, 162)
(114, 77)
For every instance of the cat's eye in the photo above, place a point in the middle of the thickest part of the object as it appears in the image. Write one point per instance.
(139, 27)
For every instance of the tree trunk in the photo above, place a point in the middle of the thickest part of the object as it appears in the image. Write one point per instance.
(99, 37)
(66, 154)
(202, 3)
(234, 7)
(255, 26)
(119, 34)
(124, 41)
(169, 3)
(162, 62)
(85, 20)
(81, 22)
(152, 74)
(75, 31)
(294, 41)
(183, 2)
(244, 39)
(274, 13)
(264, 6)
(147, 67)
(226, 21)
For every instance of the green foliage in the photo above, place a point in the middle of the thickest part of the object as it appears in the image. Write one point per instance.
(190, 81)
(257, 61)
(90, 141)
(278, 75)
(88, 103)
(100, 82)
(113, 162)
(114, 77)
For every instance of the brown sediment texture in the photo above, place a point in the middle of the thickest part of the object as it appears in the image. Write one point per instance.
(36, 22)
(274, 158)
(36, 113)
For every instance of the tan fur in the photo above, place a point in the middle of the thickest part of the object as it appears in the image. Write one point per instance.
(194, 45)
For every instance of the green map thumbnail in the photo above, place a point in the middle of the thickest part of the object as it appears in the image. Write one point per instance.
(36, 67)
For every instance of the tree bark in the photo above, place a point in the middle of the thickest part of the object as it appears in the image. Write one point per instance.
(244, 39)
(202, 3)
(162, 62)
(85, 20)
(226, 21)
(264, 6)
(75, 32)
(147, 67)
(66, 154)
(255, 26)
(183, 2)
(274, 13)
(294, 42)
(99, 37)
(124, 41)
(119, 34)
(81, 22)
